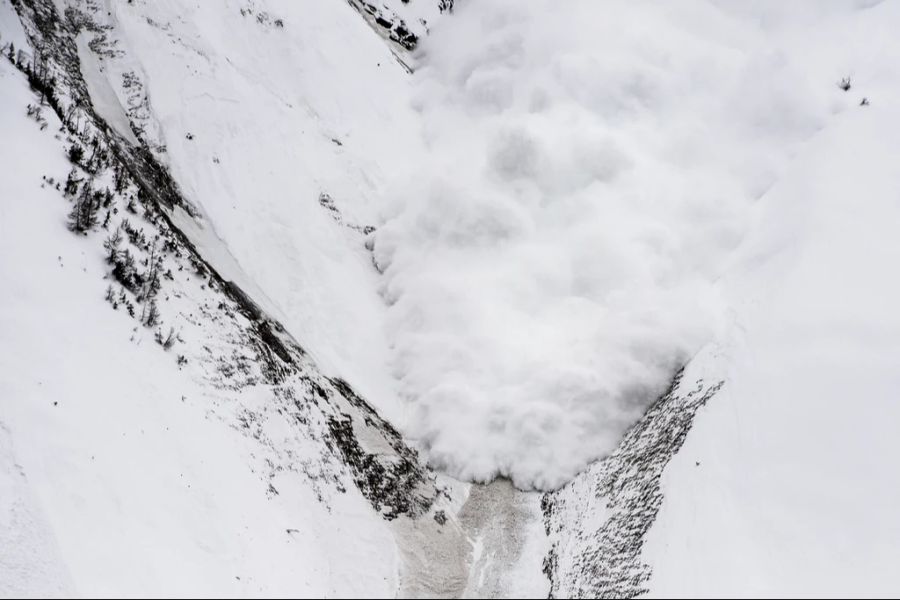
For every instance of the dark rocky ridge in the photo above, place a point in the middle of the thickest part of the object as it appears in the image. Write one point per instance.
(391, 25)
(605, 562)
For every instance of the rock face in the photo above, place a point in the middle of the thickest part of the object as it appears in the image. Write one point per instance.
(598, 522)
(402, 22)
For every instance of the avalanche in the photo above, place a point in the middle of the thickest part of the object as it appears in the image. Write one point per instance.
(554, 256)
(474, 299)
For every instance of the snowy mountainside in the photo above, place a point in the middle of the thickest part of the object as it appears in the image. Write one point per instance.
(150, 399)
(794, 450)
(597, 523)
(317, 92)
(779, 488)
(199, 389)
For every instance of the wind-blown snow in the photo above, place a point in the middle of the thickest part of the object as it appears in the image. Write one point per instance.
(553, 259)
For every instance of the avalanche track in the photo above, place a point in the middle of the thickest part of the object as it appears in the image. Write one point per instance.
(453, 540)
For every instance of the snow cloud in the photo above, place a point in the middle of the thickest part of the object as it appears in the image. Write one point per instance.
(551, 262)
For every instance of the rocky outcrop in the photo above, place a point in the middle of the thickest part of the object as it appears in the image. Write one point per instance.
(395, 22)
(597, 523)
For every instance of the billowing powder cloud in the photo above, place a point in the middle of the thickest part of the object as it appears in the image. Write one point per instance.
(552, 260)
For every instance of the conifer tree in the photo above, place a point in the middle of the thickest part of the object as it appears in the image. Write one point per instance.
(72, 182)
(151, 314)
(84, 213)
(111, 245)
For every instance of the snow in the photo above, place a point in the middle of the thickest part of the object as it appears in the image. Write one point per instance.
(572, 202)
(256, 123)
(554, 257)
(123, 474)
(10, 28)
(506, 530)
(103, 97)
(794, 493)
(796, 455)
(30, 558)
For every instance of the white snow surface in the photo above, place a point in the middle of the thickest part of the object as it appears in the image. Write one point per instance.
(121, 473)
(256, 122)
(573, 199)
(784, 486)
(795, 493)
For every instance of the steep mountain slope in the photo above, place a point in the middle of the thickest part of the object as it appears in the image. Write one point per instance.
(794, 452)
(779, 488)
(304, 149)
(197, 384)
(124, 439)
(191, 407)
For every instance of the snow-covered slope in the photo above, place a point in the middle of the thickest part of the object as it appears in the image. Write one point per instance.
(782, 487)
(171, 438)
(797, 452)
(206, 372)
(114, 455)
(288, 185)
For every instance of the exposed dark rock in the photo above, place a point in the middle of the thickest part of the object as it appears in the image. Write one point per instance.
(605, 562)
(390, 24)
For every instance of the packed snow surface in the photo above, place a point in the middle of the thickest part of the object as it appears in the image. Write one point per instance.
(786, 485)
(589, 170)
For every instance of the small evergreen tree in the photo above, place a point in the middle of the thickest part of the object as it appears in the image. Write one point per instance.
(151, 314)
(152, 283)
(166, 341)
(72, 182)
(111, 245)
(124, 271)
(84, 213)
(76, 153)
(120, 179)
